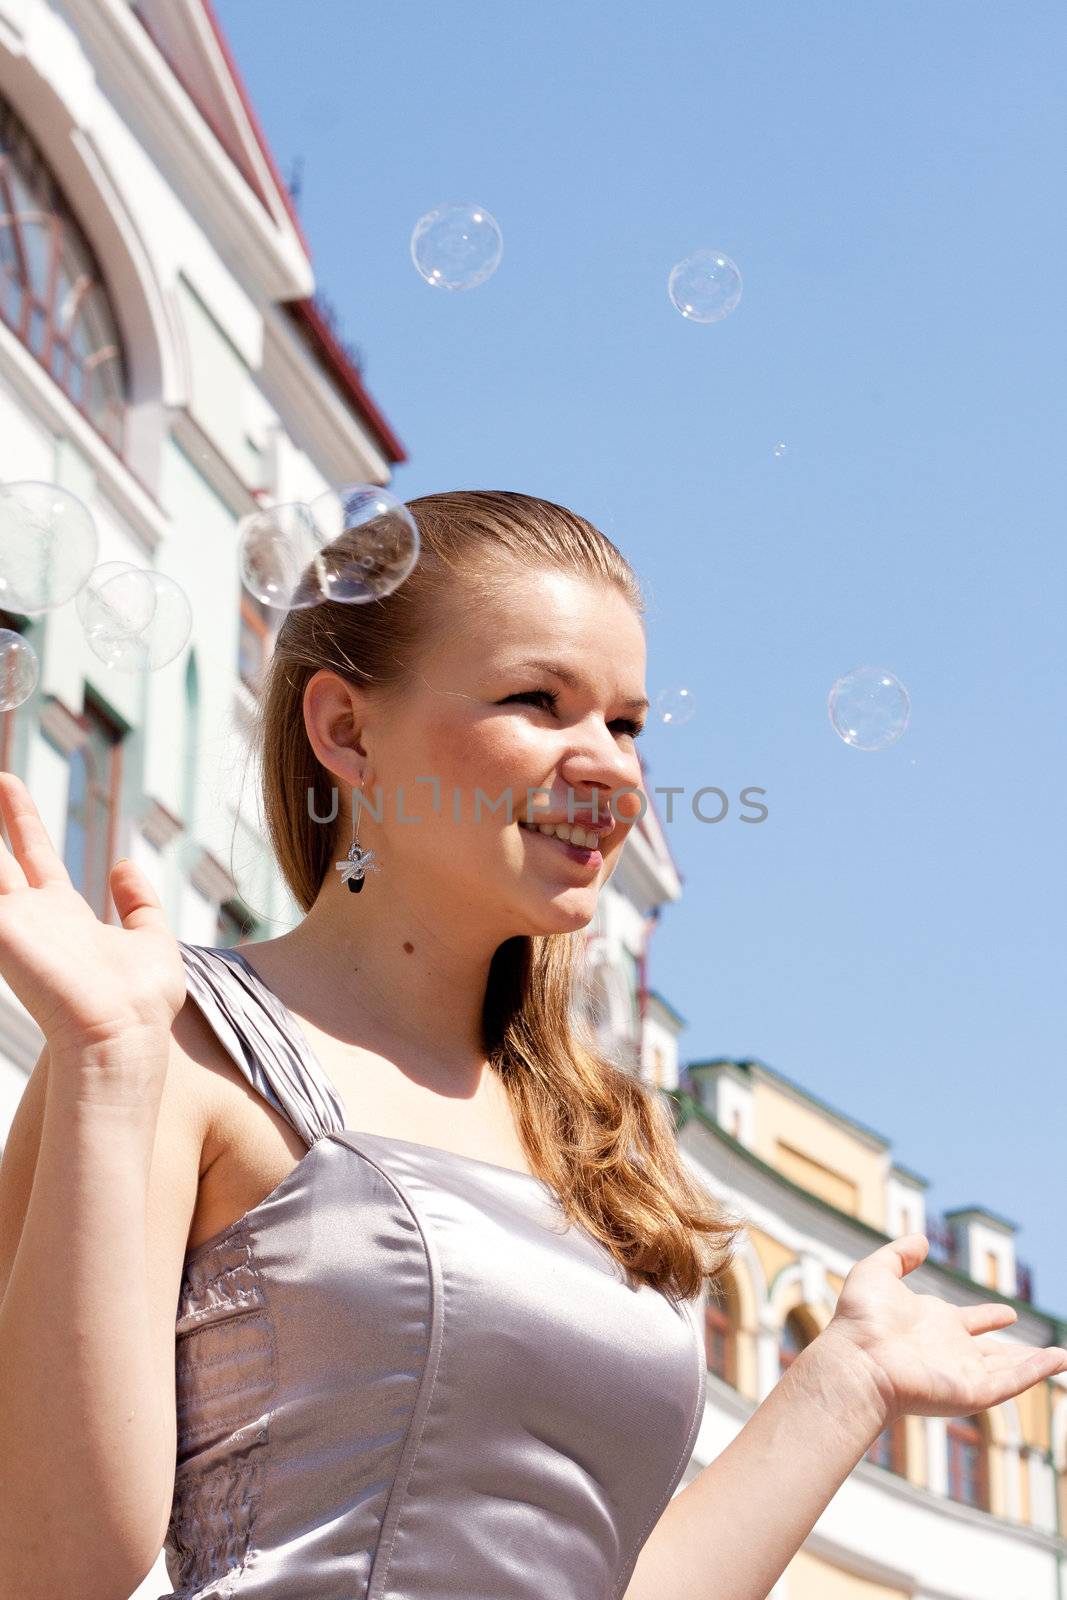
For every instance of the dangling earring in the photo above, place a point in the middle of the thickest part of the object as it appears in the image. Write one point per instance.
(354, 866)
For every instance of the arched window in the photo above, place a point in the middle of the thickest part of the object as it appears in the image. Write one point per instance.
(889, 1449)
(51, 291)
(794, 1338)
(968, 1474)
(720, 1332)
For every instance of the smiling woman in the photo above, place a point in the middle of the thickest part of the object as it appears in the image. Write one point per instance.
(435, 689)
(507, 1254)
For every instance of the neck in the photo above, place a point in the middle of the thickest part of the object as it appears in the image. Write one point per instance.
(374, 972)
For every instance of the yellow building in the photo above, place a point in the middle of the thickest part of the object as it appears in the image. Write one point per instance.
(969, 1507)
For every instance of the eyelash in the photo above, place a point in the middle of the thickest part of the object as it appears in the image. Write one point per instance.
(634, 729)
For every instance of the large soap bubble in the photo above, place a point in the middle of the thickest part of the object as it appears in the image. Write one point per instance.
(19, 671)
(869, 708)
(705, 287)
(456, 246)
(137, 619)
(371, 542)
(278, 556)
(48, 546)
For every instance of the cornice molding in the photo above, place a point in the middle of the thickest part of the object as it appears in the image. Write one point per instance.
(60, 725)
(182, 140)
(297, 387)
(208, 875)
(159, 825)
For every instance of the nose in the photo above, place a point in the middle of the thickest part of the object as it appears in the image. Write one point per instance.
(598, 772)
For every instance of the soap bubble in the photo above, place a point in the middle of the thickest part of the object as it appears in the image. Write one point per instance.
(48, 545)
(18, 669)
(276, 547)
(779, 451)
(869, 708)
(675, 706)
(117, 633)
(124, 608)
(371, 542)
(456, 246)
(705, 287)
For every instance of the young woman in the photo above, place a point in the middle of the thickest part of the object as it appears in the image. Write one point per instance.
(343, 1264)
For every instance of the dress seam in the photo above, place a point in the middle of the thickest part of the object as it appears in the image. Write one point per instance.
(394, 1507)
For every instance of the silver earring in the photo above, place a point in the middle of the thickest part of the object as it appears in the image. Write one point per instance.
(354, 867)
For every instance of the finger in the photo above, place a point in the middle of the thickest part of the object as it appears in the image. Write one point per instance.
(902, 1255)
(1016, 1379)
(976, 1319)
(29, 838)
(1000, 1356)
(136, 901)
(11, 874)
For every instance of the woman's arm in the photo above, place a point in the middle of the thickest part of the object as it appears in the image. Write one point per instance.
(87, 1401)
(887, 1352)
(731, 1533)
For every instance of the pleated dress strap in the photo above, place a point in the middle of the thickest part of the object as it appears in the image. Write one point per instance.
(259, 1033)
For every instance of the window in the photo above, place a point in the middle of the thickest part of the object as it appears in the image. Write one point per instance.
(793, 1340)
(888, 1450)
(92, 808)
(52, 294)
(968, 1478)
(720, 1335)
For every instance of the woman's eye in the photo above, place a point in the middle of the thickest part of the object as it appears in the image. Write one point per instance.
(536, 694)
(626, 724)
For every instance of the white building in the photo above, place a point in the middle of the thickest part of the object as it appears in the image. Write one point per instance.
(161, 356)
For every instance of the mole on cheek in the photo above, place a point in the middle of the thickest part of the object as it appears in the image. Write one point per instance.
(408, 947)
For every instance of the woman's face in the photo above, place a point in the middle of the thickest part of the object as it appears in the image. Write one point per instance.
(480, 717)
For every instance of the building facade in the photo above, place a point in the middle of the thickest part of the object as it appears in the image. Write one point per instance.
(964, 1508)
(164, 357)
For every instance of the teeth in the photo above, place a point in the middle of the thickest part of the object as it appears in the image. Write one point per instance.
(570, 834)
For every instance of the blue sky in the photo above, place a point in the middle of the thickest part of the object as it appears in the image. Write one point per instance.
(888, 178)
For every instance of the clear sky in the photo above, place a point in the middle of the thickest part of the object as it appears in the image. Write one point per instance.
(889, 179)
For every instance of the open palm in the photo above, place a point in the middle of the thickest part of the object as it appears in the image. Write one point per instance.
(925, 1356)
(79, 978)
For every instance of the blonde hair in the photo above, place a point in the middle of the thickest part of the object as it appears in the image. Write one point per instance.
(602, 1140)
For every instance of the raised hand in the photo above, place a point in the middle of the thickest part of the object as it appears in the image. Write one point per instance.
(82, 980)
(924, 1356)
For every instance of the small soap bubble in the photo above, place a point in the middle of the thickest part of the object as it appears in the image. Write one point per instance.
(120, 604)
(705, 287)
(779, 451)
(18, 669)
(371, 542)
(675, 706)
(869, 708)
(278, 556)
(48, 545)
(456, 246)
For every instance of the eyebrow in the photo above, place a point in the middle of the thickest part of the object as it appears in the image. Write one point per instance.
(565, 675)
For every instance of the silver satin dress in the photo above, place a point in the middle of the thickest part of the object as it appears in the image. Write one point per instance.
(404, 1375)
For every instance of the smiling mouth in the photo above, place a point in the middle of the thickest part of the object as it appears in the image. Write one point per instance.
(587, 854)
